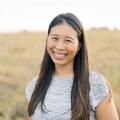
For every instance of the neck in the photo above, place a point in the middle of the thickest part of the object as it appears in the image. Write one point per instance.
(64, 71)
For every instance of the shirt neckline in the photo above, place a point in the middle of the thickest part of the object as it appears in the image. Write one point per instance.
(63, 77)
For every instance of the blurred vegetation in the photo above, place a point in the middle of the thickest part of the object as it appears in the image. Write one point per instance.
(20, 57)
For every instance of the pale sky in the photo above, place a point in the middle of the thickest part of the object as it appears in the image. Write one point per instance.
(35, 15)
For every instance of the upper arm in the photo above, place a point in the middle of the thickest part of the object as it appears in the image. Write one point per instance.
(101, 98)
(106, 109)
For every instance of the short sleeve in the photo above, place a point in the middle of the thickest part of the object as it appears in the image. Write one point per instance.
(99, 89)
(30, 88)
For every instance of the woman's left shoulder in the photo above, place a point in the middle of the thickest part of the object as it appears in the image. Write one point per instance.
(99, 88)
(96, 77)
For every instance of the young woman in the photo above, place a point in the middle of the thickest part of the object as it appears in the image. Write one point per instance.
(65, 88)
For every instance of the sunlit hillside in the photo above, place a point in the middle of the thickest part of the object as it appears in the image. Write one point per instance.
(20, 57)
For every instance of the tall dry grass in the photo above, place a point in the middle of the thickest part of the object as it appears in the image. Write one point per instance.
(20, 57)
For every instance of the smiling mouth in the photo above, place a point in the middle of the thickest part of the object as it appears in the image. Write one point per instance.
(59, 56)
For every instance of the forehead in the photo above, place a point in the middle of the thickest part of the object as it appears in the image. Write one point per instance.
(63, 29)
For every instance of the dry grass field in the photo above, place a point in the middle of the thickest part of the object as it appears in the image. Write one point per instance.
(20, 57)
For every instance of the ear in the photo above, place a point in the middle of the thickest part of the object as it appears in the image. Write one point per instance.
(79, 46)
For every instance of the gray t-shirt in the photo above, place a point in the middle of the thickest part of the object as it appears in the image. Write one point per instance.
(57, 103)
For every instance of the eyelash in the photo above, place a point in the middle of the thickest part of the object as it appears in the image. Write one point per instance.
(54, 38)
(66, 40)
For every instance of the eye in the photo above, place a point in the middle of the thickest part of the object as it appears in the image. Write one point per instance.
(54, 38)
(68, 41)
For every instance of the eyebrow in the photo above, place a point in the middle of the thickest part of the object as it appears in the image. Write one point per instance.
(69, 37)
(65, 37)
(53, 35)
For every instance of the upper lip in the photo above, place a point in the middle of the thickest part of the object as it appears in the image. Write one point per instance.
(58, 52)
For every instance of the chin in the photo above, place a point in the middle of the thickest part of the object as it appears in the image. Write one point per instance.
(59, 63)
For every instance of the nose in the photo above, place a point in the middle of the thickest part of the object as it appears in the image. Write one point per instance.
(60, 45)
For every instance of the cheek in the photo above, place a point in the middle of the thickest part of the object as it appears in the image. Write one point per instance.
(50, 45)
(72, 49)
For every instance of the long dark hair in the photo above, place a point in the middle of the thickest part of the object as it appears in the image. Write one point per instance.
(80, 88)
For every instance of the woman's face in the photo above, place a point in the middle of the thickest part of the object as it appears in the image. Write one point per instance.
(62, 44)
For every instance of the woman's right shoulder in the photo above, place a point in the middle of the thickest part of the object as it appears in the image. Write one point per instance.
(30, 87)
